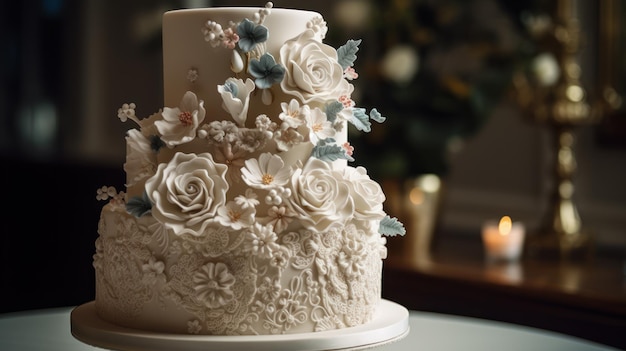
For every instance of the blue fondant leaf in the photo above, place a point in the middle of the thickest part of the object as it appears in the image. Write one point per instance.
(139, 205)
(332, 110)
(361, 120)
(391, 227)
(346, 54)
(331, 152)
(376, 116)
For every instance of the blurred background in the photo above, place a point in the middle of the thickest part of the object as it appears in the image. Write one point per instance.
(449, 75)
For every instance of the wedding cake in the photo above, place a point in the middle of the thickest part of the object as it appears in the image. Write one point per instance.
(241, 214)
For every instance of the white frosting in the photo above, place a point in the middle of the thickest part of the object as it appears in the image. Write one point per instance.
(242, 215)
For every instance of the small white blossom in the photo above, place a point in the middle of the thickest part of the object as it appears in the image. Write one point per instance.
(109, 192)
(286, 138)
(293, 115)
(105, 193)
(280, 217)
(235, 216)
(250, 199)
(265, 123)
(219, 132)
(126, 112)
(261, 241)
(213, 33)
(192, 75)
(319, 126)
(153, 266)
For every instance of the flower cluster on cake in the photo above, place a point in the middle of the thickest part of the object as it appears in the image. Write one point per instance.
(241, 214)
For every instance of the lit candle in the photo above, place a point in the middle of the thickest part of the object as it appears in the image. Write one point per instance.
(503, 241)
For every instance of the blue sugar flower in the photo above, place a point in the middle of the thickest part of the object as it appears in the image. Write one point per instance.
(266, 71)
(250, 34)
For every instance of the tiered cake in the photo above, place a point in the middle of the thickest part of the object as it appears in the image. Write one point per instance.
(241, 214)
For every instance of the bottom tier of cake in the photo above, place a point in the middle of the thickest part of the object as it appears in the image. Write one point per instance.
(226, 282)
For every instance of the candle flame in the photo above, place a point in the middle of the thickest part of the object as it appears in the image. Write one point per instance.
(505, 225)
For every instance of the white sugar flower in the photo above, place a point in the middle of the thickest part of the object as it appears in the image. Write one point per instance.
(319, 126)
(250, 199)
(263, 122)
(353, 254)
(287, 138)
(236, 98)
(235, 216)
(126, 112)
(261, 241)
(219, 132)
(268, 171)
(319, 27)
(313, 72)
(106, 192)
(320, 196)
(367, 194)
(279, 217)
(153, 266)
(293, 115)
(233, 160)
(251, 140)
(179, 124)
(187, 191)
(214, 284)
(213, 33)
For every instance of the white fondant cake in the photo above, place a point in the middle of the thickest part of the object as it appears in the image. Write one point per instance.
(241, 214)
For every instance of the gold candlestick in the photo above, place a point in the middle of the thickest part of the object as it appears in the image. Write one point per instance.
(561, 108)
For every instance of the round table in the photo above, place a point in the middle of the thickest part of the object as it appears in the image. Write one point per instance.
(49, 329)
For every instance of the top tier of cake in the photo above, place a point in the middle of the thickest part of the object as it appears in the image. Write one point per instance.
(185, 49)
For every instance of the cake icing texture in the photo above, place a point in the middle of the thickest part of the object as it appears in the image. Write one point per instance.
(241, 214)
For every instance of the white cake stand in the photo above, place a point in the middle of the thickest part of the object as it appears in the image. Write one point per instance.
(390, 323)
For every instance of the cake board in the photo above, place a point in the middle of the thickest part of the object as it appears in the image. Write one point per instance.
(390, 323)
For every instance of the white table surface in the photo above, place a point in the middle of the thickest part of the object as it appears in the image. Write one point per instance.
(49, 330)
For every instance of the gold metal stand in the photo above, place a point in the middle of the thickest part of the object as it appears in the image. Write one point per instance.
(561, 108)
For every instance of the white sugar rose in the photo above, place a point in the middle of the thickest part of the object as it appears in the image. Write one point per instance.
(187, 191)
(312, 70)
(179, 124)
(320, 198)
(367, 194)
